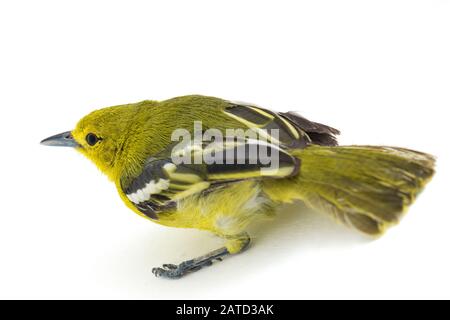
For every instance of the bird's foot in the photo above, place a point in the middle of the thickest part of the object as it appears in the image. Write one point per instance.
(173, 271)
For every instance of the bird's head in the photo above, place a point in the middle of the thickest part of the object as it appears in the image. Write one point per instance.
(100, 136)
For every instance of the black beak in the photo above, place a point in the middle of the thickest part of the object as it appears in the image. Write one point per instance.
(64, 139)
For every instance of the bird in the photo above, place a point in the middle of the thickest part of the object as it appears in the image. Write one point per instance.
(218, 165)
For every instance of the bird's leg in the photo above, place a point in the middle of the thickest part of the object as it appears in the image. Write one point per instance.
(235, 244)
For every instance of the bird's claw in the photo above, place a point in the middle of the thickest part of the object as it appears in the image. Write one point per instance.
(172, 271)
(167, 273)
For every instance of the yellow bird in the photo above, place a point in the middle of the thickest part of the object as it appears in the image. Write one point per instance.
(211, 164)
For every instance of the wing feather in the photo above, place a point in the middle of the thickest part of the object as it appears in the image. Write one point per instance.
(162, 181)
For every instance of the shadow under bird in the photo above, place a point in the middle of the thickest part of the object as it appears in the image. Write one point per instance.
(366, 187)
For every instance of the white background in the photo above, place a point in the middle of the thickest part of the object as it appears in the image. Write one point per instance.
(377, 70)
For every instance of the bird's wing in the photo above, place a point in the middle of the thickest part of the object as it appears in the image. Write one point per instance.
(319, 134)
(175, 175)
(278, 129)
(294, 130)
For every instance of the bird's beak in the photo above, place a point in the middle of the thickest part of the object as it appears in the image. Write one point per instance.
(64, 139)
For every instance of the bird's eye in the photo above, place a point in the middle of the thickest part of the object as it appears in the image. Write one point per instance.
(92, 139)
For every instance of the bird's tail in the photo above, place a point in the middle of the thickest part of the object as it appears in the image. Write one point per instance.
(366, 187)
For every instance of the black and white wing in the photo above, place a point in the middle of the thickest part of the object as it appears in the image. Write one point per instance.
(294, 130)
(164, 181)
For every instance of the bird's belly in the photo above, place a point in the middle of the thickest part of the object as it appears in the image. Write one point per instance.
(226, 211)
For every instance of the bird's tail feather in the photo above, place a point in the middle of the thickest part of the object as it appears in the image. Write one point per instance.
(366, 187)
